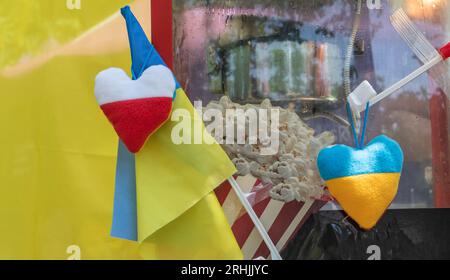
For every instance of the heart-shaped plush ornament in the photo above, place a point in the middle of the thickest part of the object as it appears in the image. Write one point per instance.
(364, 181)
(136, 109)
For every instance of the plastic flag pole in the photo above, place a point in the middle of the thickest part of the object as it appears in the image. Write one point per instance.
(259, 226)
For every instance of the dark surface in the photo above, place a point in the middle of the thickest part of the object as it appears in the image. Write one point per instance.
(418, 234)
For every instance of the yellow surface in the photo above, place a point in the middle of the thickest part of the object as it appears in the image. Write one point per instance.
(57, 161)
(57, 164)
(200, 233)
(178, 217)
(365, 197)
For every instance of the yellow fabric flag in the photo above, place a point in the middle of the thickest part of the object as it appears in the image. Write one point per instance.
(179, 216)
(58, 154)
(176, 172)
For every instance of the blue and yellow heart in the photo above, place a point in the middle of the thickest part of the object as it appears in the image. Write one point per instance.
(364, 181)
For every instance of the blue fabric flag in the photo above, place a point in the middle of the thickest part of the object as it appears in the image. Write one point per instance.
(124, 223)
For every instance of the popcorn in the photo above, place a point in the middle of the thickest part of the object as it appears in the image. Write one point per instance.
(292, 170)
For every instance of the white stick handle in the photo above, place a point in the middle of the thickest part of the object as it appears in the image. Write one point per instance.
(259, 226)
(424, 68)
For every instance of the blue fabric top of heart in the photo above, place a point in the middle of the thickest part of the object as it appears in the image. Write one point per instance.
(143, 53)
(381, 155)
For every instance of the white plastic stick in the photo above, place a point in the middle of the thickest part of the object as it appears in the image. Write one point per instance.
(424, 68)
(259, 226)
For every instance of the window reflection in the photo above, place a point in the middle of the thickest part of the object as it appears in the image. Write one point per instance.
(283, 61)
(293, 52)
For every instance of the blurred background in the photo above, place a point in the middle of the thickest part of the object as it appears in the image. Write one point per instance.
(296, 54)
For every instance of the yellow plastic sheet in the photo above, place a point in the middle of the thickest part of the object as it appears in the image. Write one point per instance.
(57, 158)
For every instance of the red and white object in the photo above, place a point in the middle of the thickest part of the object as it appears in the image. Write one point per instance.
(136, 108)
(431, 58)
(281, 220)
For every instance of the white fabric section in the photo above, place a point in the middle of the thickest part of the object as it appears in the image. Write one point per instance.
(113, 85)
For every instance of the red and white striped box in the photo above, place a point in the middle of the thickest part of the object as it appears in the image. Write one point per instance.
(281, 220)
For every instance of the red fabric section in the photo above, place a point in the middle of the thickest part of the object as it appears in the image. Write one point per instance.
(135, 120)
(162, 29)
(244, 225)
(445, 51)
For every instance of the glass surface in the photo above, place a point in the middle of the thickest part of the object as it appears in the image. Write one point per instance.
(295, 53)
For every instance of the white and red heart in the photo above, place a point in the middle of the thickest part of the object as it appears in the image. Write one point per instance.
(136, 109)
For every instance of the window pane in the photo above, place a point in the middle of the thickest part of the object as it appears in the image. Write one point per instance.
(295, 53)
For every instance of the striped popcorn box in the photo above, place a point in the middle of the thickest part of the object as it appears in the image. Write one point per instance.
(281, 220)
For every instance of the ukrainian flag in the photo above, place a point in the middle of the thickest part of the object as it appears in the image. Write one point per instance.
(58, 152)
(178, 214)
